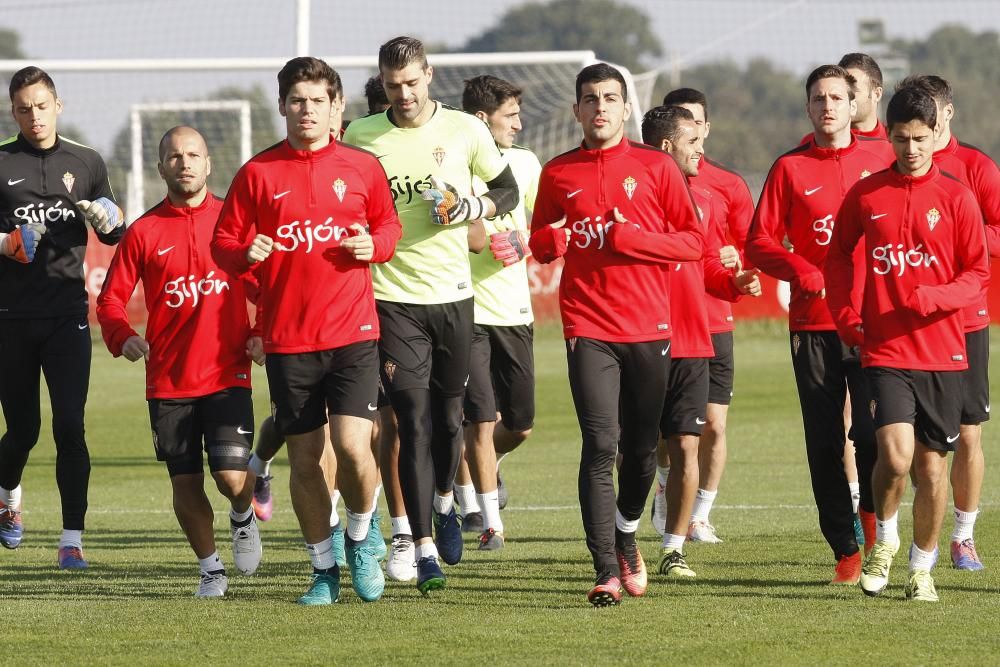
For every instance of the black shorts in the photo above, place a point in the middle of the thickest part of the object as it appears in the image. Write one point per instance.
(221, 424)
(721, 369)
(309, 386)
(502, 376)
(976, 378)
(929, 400)
(425, 346)
(687, 398)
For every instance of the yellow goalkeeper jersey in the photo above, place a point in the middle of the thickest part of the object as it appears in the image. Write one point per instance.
(502, 294)
(431, 264)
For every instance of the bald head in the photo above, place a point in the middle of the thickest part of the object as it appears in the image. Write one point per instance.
(184, 165)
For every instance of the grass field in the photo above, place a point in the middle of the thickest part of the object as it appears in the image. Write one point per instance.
(761, 597)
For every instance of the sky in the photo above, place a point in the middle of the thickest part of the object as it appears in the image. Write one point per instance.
(796, 34)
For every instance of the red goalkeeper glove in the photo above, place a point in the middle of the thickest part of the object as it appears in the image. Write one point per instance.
(509, 247)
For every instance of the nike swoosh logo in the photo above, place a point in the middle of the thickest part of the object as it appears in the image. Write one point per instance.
(81, 327)
(664, 352)
(164, 251)
(880, 215)
(574, 193)
(239, 429)
(987, 407)
(372, 407)
(13, 182)
(814, 190)
(699, 421)
(952, 438)
(281, 194)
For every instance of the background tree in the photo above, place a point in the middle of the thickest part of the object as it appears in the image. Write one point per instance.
(617, 32)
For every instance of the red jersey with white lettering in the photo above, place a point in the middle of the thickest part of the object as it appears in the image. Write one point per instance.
(616, 279)
(925, 259)
(314, 295)
(800, 199)
(732, 211)
(198, 326)
(691, 284)
(978, 171)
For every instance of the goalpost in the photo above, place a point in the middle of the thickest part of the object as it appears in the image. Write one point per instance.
(136, 204)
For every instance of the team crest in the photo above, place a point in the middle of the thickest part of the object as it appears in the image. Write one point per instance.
(572, 344)
(68, 180)
(933, 217)
(629, 185)
(340, 188)
(438, 155)
(865, 173)
(796, 343)
(871, 407)
(390, 369)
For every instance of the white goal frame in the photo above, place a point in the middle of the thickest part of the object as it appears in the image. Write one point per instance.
(137, 189)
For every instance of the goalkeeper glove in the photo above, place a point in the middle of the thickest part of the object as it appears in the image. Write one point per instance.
(102, 214)
(448, 207)
(20, 244)
(509, 247)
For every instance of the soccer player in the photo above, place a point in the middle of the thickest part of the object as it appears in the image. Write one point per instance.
(314, 213)
(196, 352)
(674, 131)
(619, 213)
(500, 398)
(800, 199)
(867, 94)
(53, 189)
(424, 295)
(375, 95)
(925, 260)
(732, 210)
(980, 173)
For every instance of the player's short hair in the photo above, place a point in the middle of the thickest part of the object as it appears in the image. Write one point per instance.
(595, 74)
(171, 132)
(29, 76)
(911, 103)
(866, 64)
(400, 52)
(831, 72)
(680, 96)
(375, 94)
(307, 68)
(938, 87)
(663, 122)
(488, 93)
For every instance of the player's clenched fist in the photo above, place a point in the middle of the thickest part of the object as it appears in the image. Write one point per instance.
(20, 244)
(260, 249)
(135, 348)
(448, 207)
(102, 214)
(509, 247)
(359, 244)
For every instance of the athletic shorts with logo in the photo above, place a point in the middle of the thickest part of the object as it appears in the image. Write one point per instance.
(976, 378)
(308, 386)
(684, 410)
(220, 424)
(425, 346)
(502, 376)
(721, 369)
(929, 400)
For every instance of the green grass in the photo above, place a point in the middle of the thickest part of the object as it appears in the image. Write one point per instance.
(760, 597)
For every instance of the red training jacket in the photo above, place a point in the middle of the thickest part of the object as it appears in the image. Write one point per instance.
(925, 260)
(615, 282)
(732, 210)
(198, 326)
(314, 295)
(800, 199)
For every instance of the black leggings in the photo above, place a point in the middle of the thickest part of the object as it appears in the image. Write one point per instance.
(618, 390)
(60, 348)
